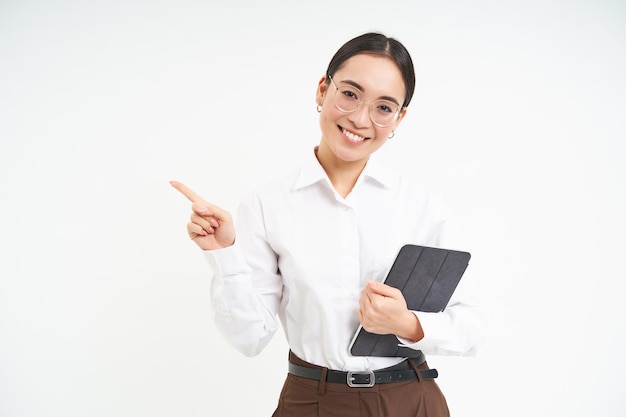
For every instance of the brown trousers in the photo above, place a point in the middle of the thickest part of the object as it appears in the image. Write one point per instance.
(303, 397)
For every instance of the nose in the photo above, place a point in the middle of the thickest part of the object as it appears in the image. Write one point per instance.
(361, 116)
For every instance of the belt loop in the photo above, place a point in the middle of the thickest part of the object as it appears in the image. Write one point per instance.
(322, 386)
(415, 368)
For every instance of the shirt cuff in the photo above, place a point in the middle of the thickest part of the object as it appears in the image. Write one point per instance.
(436, 327)
(227, 261)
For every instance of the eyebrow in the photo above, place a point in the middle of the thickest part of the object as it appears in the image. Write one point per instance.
(357, 86)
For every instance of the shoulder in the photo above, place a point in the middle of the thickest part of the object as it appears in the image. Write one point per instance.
(412, 194)
(276, 185)
(407, 189)
(306, 173)
(273, 192)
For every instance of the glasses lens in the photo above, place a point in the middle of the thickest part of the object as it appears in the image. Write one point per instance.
(383, 113)
(348, 99)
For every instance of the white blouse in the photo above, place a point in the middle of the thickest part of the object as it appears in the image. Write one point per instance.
(303, 254)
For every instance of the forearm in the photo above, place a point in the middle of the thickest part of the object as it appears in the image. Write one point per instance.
(245, 315)
(410, 328)
(458, 330)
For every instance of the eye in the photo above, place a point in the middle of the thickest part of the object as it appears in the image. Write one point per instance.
(350, 94)
(386, 107)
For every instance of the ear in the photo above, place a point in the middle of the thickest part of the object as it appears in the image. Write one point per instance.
(322, 87)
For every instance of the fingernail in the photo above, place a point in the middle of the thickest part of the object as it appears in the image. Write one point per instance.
(202, 209)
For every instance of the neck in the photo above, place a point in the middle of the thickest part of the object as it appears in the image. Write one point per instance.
(342, 174)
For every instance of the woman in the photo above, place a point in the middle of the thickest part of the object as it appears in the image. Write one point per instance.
(312, 247)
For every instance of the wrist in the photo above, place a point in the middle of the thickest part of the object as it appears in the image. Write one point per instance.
(411, 328)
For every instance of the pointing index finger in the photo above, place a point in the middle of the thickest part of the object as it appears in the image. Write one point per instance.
(187, 192)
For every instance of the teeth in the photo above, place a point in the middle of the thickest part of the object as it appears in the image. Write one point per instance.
(352, 136)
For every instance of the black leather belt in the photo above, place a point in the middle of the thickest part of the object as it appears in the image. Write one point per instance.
(397, 373)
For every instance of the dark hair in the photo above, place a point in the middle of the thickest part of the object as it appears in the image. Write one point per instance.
(378, 44)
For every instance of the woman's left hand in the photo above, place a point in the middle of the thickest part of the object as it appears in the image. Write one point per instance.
(383, 310)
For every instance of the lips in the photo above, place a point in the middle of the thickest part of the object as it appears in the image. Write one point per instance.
(351, 136)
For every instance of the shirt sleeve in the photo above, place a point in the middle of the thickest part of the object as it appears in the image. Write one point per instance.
(246, 288)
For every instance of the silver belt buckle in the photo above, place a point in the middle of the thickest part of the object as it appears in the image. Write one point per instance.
(351, 379)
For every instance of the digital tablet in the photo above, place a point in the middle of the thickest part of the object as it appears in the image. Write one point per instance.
(427, 277)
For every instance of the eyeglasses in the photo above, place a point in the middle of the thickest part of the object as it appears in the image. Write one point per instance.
(348, 99)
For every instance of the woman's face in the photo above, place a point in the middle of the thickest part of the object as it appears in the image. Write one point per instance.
(353, 136)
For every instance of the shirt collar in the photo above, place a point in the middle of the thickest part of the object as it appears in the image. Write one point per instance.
(312, 172)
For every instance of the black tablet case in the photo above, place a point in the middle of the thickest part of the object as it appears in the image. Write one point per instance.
(427, 277)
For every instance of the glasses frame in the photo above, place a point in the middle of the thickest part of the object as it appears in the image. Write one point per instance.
(360, 103)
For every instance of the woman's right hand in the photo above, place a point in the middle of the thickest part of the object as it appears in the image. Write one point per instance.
(210, 226)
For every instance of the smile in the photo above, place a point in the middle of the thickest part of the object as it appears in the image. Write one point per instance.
(353, 137)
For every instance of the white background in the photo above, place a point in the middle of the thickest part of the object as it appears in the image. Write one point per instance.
(519, 119)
